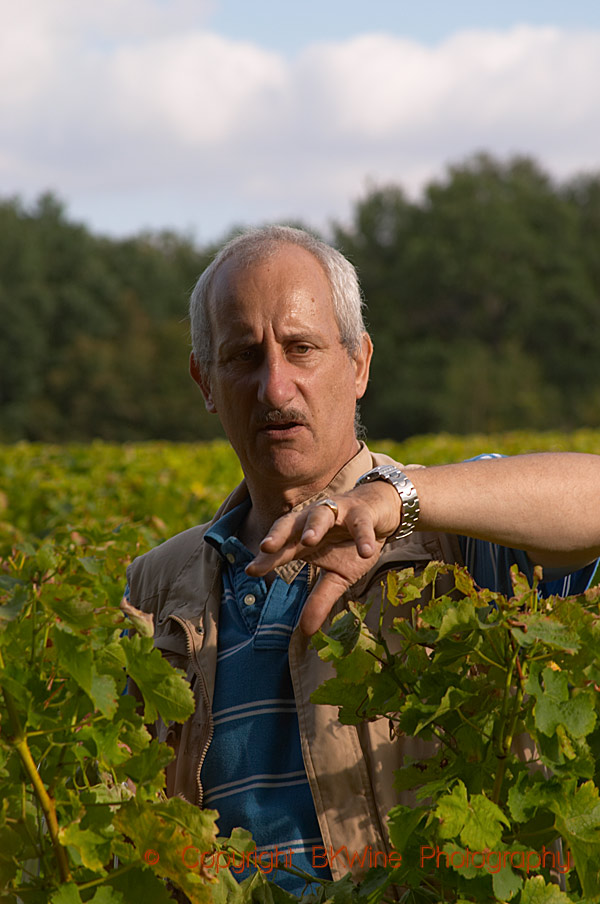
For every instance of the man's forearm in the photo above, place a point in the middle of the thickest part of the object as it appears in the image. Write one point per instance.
(545, 503)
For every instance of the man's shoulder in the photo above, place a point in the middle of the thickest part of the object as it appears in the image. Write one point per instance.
(160, 566)
(174, 550)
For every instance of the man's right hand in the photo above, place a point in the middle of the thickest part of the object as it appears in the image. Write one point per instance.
(345, 547)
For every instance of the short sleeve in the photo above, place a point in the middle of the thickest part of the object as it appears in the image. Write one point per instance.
(490, 566)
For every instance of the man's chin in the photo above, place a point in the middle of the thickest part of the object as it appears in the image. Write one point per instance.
(287, 462)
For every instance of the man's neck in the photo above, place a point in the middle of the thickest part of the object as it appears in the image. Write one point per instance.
(264, 512)
(273, 502)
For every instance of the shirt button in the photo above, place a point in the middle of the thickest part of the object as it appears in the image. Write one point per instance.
(230, 557)
(249, 599)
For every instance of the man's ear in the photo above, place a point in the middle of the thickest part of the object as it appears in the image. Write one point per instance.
(200, 377)
(362, 363)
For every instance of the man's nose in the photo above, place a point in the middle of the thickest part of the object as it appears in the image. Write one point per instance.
(276, 387)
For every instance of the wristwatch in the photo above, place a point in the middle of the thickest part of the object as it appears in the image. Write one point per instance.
(406, 490)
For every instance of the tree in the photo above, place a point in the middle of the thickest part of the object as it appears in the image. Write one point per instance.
(481, 284)
(94, 341)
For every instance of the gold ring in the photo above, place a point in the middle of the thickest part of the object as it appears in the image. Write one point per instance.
(330, 505)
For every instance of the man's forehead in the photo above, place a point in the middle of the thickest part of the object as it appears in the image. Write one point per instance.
(294, 264)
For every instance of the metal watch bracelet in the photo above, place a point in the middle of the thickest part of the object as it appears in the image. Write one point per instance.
(405, 488)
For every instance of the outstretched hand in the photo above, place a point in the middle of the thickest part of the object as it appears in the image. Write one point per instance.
(344, 546)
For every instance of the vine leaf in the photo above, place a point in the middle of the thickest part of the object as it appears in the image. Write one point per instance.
(537, 891)
(477, 822)
(164, 689)
(68, 893)
(556, 706)
(77, 658)
(170, 835)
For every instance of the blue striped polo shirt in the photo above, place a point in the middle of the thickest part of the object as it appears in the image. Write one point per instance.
(254, 772)
(490, 565)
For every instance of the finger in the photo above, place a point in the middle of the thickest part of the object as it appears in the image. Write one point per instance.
(360, 524)
(325, 594)
(320, 518)
(308, 526)
(264, 562)
(280, 546)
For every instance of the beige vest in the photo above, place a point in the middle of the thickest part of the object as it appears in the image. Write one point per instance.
(349, 768)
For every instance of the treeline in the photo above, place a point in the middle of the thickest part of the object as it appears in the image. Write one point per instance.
(483, 302)
(94, 333)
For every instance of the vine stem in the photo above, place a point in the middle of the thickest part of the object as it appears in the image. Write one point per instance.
(507, 732)
(19, 742)
(501, 740)
(94, 883)
(47, 805)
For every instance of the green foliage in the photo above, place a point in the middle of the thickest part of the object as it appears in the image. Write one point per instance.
(442, 448)
(507, 797)
(94, 341)
(83, 814)
(162, 487)
(81, 779)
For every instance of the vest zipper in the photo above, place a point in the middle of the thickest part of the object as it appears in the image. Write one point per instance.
(211, 728)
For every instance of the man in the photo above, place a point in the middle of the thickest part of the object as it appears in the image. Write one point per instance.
(281, 355)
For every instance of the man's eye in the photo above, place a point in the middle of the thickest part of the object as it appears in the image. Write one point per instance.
(301, 348)
(246, 354)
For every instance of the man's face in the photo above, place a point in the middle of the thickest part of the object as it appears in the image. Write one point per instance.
(281, 382)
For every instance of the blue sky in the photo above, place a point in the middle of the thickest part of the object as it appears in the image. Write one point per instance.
(198, 115)
(288, 25)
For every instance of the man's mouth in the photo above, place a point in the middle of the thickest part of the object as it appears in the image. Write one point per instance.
(281, 422)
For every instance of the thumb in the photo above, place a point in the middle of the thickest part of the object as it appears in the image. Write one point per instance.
(324, 595)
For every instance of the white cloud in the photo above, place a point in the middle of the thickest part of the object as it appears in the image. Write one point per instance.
(137, 107)
(111, 20)
(377, 86)
(199, 89)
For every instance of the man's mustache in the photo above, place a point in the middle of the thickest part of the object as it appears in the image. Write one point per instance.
(276, 416)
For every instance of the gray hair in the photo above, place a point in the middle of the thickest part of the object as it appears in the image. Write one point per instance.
(258, 244)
